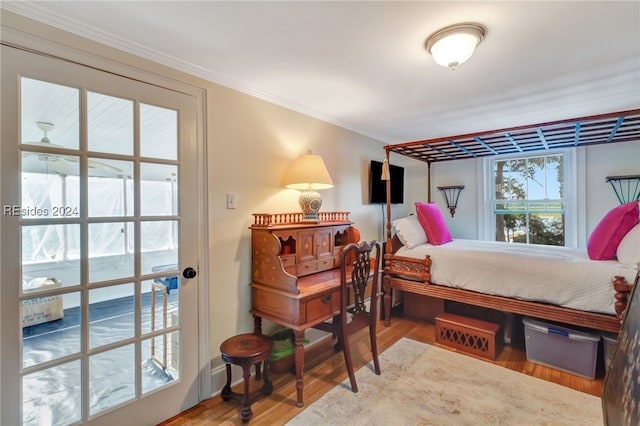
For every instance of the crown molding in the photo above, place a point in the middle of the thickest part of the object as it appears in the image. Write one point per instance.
(39, 13)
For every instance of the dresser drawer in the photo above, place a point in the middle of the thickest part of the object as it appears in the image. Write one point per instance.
(288, 260)
(306, 268)
(323, 307)
(325, 263)
(291, 270)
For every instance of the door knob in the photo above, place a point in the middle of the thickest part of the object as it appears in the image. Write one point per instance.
(189, 273)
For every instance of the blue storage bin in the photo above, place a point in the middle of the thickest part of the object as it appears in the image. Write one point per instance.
(561, 347)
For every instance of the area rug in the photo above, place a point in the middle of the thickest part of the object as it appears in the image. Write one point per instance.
(426, 385)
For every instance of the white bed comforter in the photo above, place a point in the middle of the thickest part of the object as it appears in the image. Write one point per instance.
(558, 275)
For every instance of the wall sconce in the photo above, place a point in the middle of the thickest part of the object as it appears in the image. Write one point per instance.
(451, 195)
(308, 174)
(627, 188)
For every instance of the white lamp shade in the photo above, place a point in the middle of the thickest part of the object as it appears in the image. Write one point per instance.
(308, 172)
(454, 45)
(455, 49)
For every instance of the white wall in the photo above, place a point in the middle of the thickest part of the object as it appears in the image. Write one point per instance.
(462, 172)
(600, 161)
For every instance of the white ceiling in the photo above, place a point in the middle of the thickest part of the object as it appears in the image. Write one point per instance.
(363, 66)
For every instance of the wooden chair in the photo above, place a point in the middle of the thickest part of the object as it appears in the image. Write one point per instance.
(359, 272)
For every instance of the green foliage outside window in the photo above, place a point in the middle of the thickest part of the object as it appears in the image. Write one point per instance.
(529, 200)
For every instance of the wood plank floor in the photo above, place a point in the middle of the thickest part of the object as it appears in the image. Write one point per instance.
(324, 369)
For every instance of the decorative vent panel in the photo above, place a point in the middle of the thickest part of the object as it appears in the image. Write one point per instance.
(467, 334)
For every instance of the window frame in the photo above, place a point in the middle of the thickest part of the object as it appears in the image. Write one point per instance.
(574, 173)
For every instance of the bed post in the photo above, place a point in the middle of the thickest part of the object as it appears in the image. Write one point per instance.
(428, 181)
(388, 182)
(623, 290)
(388, 250)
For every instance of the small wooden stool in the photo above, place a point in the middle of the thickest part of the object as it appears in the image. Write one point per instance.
(245, 350)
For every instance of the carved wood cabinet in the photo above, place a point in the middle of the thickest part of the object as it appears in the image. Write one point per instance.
(311, 249)
(295, 279)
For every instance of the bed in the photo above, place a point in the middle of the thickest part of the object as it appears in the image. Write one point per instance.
(554, 283)
(548, 282)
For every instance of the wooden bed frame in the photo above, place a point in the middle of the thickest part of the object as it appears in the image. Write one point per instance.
(413, 275)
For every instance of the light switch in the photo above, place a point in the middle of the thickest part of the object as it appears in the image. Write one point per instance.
(231, 200)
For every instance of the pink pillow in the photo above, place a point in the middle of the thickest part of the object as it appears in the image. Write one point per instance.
(605, 238)
(431, 219)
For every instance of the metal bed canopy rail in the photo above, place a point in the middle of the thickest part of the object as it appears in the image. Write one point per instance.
(622, 126)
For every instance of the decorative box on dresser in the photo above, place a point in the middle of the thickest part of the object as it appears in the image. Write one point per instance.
(295, 278)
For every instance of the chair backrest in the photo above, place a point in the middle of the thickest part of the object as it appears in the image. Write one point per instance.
(360, 269)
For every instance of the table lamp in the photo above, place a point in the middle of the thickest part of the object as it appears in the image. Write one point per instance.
(308, 174)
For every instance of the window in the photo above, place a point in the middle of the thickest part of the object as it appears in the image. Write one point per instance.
(528, 198)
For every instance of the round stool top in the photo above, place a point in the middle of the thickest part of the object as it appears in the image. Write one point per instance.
(246, 345)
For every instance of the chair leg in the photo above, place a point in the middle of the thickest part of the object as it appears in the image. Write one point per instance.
(245, 412)
(267, 387)
(226, 391)
(258, 366)
(374, 349)
(339, 344)
(346, 350)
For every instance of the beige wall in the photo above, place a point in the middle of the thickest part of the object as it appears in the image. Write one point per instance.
(249, 145)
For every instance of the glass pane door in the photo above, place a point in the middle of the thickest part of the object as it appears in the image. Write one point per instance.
(96, 208)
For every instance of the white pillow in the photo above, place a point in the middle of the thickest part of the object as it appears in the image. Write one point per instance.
(629, 248)
(409, 231)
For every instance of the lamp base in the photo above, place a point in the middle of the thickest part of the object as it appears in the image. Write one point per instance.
(310, 202)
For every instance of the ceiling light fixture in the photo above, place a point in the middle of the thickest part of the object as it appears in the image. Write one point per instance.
(453, 45)
(57, 159)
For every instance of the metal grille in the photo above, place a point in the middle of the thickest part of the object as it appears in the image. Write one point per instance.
(621, 126)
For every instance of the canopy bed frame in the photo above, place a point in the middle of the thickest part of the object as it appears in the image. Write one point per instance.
(414, 275)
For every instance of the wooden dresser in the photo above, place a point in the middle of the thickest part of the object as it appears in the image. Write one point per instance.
(295, 278)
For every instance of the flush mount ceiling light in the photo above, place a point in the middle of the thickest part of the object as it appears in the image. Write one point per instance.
(454, 45)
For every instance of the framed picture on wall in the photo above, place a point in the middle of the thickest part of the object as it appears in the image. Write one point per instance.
(621, 392)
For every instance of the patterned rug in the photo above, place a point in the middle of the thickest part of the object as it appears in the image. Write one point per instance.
(426, 385)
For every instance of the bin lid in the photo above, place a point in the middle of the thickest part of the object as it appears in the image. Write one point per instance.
(610, 337)
(549, 328)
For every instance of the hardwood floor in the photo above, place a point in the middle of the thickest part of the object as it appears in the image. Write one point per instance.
(325, 369)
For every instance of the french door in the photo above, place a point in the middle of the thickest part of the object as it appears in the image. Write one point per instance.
(99, 269)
